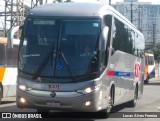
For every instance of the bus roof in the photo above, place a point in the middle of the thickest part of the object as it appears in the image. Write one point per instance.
(71, 9)
(67, 9)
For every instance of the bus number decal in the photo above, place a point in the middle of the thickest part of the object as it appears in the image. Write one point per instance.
(55, 86)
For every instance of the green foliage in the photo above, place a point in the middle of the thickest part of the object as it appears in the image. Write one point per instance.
(156, 52)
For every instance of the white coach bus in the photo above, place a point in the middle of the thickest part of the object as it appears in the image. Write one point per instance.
(8, 68)
(52, 74)
(149, 67)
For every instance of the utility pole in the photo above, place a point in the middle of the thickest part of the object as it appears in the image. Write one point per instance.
(154, 34)
(131, 12)
(139, 17)
(20, 12)
(109, 2)
(8, 15)
(14, 14)
(35, 3)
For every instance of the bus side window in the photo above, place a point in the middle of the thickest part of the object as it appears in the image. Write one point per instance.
(108, 22)
(2, 54)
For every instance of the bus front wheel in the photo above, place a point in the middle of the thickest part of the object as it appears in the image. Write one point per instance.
(108, 110)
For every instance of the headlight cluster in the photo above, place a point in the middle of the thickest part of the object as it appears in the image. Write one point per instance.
(89, 89)
(21, 85)
(24, 88)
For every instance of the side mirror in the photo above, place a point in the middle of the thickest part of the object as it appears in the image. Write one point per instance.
(10, 36)
(112, 50)
(103, 38)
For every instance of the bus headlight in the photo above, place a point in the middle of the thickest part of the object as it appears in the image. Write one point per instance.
(89, 89)
(24, 88)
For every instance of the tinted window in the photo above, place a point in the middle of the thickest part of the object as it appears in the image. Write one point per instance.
(127, 40)
(2, 54)
(122, 37)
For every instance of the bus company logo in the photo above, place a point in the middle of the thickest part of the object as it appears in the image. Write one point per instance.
(53, 86)
(52, 94)
(137, 71)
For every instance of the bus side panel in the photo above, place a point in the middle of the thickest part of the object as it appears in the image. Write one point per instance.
(123, 66)
(9, 81)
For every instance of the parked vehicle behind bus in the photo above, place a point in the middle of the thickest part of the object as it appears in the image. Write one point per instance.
(8, 68)
(149, 67)
(52, 74)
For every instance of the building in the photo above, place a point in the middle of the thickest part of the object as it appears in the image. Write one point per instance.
(145, 16)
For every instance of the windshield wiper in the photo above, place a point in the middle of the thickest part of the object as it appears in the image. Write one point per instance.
(42, 65)
(68, 66)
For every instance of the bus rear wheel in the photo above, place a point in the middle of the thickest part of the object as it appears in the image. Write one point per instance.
(134, 101)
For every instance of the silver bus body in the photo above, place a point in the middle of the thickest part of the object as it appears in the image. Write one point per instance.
(120, 74)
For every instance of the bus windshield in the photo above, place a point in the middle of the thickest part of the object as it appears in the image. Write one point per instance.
(45, 40)
(149, 60)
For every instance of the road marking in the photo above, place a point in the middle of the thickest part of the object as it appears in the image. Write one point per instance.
(7, 105)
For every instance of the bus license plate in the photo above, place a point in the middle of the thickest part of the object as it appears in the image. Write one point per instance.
(52, 104)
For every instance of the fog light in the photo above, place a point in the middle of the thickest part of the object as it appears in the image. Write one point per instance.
(22, 100)
(87, 103)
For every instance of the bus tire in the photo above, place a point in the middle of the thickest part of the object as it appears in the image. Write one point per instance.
(1, 94)
(146, 81)
(111, 99)
(134, 101)
(108, 110)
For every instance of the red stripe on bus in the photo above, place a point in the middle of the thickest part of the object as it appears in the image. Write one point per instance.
(110, 73)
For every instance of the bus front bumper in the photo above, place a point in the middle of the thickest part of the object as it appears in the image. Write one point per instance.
(91, 102)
